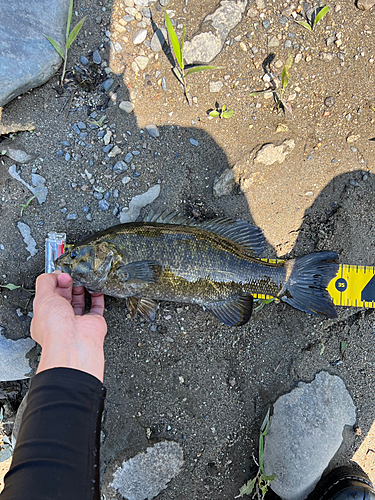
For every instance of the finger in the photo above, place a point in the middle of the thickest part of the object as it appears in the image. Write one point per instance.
(65, 286)
(46, 285)
(78, 300)
(97, 304)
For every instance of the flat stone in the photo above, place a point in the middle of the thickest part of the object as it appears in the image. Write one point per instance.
(269, 153)
(304, 434)
(273, 41)
(139, 202)
(148, 473)
(159, 39)
(140, 36)
(96, 57)
(365, 4)
(114, 152)
(152, 130)
(225, 183)
(204, 47)
(25, 231)
(142, 62)
(120, 167)
(14, 365)
(107, 84)
(126, 106)
(18, 155)
(27, 58)
(215, 86)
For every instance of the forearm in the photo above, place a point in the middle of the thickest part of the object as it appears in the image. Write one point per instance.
(57, 451)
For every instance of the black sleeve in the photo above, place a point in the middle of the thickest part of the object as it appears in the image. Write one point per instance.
(57, 451)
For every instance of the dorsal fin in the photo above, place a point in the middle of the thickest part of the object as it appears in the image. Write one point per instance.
(248, 236)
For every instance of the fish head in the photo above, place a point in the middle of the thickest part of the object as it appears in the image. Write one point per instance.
(88, 265)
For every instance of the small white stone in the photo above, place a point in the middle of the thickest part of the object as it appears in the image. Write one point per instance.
(142, 62)
(126, 106)
(140, 36)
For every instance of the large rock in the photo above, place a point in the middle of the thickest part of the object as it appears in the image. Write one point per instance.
(204, 47)
(147, 474)
(14, 365)
(27, 59)
(304, 434)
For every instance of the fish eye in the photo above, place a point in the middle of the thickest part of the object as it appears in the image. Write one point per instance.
(73, 254)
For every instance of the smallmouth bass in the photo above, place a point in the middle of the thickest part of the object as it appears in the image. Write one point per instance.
(214, 264)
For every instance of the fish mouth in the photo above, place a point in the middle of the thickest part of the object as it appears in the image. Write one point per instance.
(65, 269)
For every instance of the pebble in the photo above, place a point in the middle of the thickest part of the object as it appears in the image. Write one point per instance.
(97, 195)
(104, 205)
(194, 142)
(126, 106)
(266, 24)
(107, 149)
(85, 209)
(84, 60)
(81, 125)
(215, 86)
(96, 57)
(326, 56)
(298, 58)
(353, 149)
(128, 158)
(114, 152)
(67, 157)
(164, 84)
(152, 130)
(140, 36)
(72, 217)
(158, 40)
(115, 193)
(89, 217)
(273, 42)
(125, 180)
(120, 167)
(107, 137)
(329, 101)
(128, 18)
(2, 247)
(107, 84)
(60, 152)
(288, 44)
(142, 62)
(76, 128)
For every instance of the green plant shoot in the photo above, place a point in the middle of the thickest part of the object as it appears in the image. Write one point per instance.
(221, 113)
(27, 203)
(318, 16)
(260, 482)
(70, 37)
(178, 50)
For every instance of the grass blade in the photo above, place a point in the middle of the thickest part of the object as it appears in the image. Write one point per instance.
(261, 449)
(196, 69)
(56, 46)
(10, 286)
(305, 25)
(74, 33)
(321, 14)
(174, 40)
(70, 14)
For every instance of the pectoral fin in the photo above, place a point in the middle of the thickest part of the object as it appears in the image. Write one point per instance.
(146, 307)
(233, 312)
(145, 271)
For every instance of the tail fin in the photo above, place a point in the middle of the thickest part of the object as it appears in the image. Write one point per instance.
(306, 287)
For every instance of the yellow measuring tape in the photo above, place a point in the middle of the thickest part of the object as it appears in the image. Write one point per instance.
(353, 286)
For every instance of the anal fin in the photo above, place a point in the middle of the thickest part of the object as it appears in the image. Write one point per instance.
(233, 312)
(146, 307)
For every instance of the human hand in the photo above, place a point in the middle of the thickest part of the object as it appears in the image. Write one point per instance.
(68, 337)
